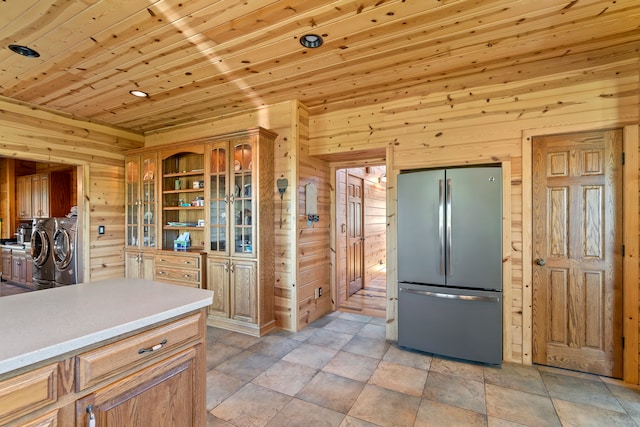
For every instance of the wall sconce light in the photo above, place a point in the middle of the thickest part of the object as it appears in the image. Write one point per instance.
(282, 184)
(382, 178)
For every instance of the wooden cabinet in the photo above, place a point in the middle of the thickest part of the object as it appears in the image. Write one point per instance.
(28, 392)
(240, 266)
(179, 268)
(125, 382)
(17, 267)
(6, 264)
(23, 197)
(141, 200)
(44, 195)
(163, 395)
(183, 205)
(140, 265)
(220, 190)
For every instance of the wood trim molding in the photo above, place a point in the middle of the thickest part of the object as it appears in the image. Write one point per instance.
(507, 265)
(630, 213)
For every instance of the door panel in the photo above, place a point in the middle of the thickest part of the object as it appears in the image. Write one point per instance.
(355, 236)
(577, 273)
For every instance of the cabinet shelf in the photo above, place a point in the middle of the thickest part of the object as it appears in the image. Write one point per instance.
(183, 208)
(183, 191)
(185, 173)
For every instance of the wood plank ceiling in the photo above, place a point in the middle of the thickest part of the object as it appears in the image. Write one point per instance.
(200, 59)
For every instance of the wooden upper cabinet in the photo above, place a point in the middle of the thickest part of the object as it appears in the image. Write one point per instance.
(44, 195)
(141, 206)
(23, 197)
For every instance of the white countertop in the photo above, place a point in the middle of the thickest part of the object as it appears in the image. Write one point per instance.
(40, 325)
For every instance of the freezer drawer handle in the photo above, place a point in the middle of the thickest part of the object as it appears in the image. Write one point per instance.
(449, 296)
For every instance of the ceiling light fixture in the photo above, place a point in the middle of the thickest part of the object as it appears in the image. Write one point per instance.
(139, 93)
(311, 41)
(24, 51)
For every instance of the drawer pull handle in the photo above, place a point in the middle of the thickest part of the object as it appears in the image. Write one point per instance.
(92, 417)
(160, 273)
(152, 349)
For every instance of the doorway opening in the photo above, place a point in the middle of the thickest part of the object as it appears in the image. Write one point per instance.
(361, 226)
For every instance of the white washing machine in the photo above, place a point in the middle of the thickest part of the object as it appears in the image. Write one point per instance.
(65, 251)
(42, 253)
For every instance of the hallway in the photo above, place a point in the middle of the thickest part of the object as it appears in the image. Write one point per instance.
(340, 371)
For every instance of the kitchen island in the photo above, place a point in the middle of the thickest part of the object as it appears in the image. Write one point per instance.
(123, 351)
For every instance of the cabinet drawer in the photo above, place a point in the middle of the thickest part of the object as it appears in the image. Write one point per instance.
(28, 392)
(97, 365)
(184, 275)
(177, 261)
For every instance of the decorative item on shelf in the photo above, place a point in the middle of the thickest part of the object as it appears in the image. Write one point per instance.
(183, 242)
(236, 165)
(178, 184)
(201, 223)
(148, 176)
(247, 190)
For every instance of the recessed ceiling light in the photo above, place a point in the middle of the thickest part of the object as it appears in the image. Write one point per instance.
(139, 93)
(311, 41)
(24, 51)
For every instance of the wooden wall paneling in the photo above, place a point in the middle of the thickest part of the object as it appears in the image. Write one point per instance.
(107, 208)
(313, 270)
(609, 97)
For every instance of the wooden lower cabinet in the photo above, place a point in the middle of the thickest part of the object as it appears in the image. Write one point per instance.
(180, 268)
(236, 296)
(153, 378)
(17, 267)
(6, 264)
(162, 395)
(140, 265)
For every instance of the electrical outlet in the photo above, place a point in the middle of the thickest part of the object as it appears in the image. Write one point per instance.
(319, 292)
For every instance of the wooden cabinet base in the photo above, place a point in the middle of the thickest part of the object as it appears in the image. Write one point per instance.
(240, 326)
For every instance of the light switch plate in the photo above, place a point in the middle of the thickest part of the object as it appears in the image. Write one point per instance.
(101, 229)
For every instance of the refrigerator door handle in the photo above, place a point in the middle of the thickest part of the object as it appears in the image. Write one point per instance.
(448, 245)
(450, 296)
(441, 226)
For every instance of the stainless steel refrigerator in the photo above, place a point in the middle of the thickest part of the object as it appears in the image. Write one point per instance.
(450, 262)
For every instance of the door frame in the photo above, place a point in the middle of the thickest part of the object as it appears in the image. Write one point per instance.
(630, 213)
(334, 231)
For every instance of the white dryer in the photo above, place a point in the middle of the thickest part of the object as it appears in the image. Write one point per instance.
(65, 251)
(42, 253)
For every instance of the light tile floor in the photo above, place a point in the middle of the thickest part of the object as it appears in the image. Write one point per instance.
(340, 371)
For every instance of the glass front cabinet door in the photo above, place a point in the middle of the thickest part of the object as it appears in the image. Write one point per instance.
(141, 196)
(231, 202)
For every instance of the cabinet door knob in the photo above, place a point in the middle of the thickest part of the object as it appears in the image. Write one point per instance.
(92, 416)
(540, 261)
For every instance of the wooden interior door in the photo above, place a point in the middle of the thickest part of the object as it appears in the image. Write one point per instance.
(355, 234)
(577, 246)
